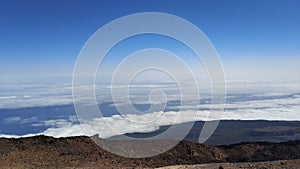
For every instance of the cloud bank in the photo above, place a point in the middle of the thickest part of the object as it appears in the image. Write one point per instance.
(272, 109)
(272, 104)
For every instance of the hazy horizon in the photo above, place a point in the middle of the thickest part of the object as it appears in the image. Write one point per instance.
(257, 43)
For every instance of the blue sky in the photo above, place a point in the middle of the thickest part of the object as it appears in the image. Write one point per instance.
(41, 40)
(45, 37)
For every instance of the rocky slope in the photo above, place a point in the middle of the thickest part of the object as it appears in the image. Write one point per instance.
(82, 152)
(282, 164)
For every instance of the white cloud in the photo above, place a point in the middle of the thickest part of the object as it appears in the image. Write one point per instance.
(32, 95)
(12, 119)
(20, 96)
(273, 104)
(7, 97)
(132, 123)
(129, 123)
(16, 136)
(20, 120)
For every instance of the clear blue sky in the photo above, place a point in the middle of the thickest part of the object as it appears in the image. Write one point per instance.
(46, 36)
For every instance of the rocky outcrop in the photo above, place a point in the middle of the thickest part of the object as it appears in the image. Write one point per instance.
(82, 152)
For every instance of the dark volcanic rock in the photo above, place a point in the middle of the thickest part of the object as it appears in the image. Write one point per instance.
(262, 151)
(82, 152)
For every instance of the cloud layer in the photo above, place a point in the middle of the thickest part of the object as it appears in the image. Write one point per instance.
(271, 105)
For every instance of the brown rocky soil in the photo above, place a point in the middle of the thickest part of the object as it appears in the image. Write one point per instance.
(282, 164)
(82, 152)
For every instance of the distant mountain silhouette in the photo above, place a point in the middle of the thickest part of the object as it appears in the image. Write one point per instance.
(236, 131)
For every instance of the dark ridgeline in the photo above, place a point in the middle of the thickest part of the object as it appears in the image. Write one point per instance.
(47, 152)
(237, 131)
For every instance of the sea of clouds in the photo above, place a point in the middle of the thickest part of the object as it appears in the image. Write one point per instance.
(245, 101)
